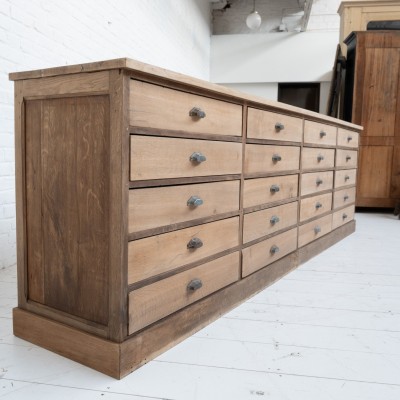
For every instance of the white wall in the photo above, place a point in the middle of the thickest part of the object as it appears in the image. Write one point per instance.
(273, 57)
(174, 34)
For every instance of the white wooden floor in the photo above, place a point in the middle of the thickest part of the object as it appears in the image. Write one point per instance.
(329, 330)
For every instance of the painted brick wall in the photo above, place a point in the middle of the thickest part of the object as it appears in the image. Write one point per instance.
(174, 34)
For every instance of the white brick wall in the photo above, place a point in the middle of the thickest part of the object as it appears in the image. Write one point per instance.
(174, 34)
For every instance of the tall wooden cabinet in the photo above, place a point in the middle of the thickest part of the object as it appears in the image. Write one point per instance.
(372, 100)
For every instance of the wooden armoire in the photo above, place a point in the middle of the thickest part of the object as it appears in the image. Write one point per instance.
(371, 99)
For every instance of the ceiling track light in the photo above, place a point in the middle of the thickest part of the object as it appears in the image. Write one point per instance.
(253, 20)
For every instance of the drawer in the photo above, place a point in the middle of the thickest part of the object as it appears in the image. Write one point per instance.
(267, 190)
(165, 252)
(272, 126)
(342, 216)
(317, 133)
(346, 158)
(315, 182)
(266, 252)
(347, 138)
(161, 157)
(267, 158)
(315, 206)
(153, 302)
(345, 177)
(264, 222)
(344, 197)
(315, 158)
(154, 207)
(153, 106)
(314, 229)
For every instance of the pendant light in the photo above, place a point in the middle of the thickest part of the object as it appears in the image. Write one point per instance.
(253, 20)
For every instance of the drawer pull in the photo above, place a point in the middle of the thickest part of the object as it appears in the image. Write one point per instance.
(319, 181)
(274, 219)
(318, 205)
(194, 285)
(197, 112)
(346, 197)
(274, 249)
(274, 188)
(276, 158)
(195, 243)
(322, 134)
(349, 138)
(346, 178)
(317, 230)
(197, 157)
(348, 158)
(320, 158)
(194, 201)
(344, 216)
(279, 126)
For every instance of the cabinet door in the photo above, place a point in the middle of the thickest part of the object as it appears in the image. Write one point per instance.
(379, 92)
(374, 174)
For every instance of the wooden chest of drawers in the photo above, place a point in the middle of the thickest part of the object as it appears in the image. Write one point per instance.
(149, 203)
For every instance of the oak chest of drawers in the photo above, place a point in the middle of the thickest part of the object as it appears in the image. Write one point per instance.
(149, 203)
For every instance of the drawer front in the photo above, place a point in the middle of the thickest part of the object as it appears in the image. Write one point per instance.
(342, 216)
(314, 158)
(315, 182)
(266, 252)
(162, 253)
(153, 302)
(267, 190)
(267, 158)
(314, 230)
(317, 133)
(345, 177)
(346, 158)
(160, 158)
(264, 222)
(272, 126)
(344, 197)
(153, 106)
(155, 207)
(315, 206)
(347, 138)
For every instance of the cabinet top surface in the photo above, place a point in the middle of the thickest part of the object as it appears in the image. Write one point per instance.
(134, 67)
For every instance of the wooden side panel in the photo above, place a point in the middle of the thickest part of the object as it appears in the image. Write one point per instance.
(155, 301)
(72, 188)
(380, 91)
(374, 174)
(33, 175)
(395, 181)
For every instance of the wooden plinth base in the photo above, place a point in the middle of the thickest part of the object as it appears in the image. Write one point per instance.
(119, 359)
